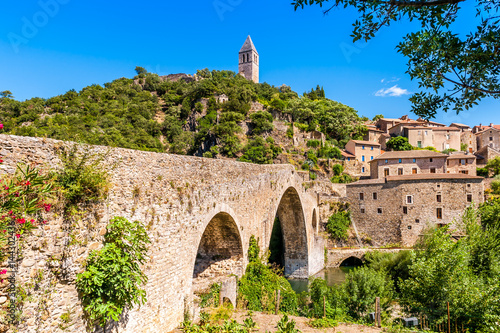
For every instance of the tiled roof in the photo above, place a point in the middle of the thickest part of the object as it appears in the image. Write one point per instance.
(445, 128)
(460, 156)
(361, 142)
(424, 153)
(346, 153)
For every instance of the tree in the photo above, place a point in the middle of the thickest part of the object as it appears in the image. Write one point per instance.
(493, 166)
(5, 94)
(140, 70)
(455, 71)
(399, 143)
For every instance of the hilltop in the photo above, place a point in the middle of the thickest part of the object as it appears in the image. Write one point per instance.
(217, 114)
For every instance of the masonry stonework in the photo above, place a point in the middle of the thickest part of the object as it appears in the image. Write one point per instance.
(397, 209)
(193, 208)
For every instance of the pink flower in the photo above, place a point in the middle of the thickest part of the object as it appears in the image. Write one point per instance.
(21, 221)
(18, 235)
(47, 207)
(10, 212)
(28, 183)
(32, 221)
(44, 222)
(1, 126)
(6, 187)
(3, 271)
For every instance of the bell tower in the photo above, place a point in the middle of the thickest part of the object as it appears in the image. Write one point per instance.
(249, 61)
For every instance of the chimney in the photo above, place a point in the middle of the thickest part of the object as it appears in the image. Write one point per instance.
(491, 124)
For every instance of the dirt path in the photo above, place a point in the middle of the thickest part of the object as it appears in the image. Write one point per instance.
(267, 323)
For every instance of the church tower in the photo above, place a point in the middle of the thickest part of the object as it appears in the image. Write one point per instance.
(249, 61)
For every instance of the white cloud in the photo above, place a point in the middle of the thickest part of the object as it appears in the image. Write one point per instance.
(391, 80)
(392, 91)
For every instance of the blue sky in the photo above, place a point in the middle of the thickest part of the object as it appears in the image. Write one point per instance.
(48, 47)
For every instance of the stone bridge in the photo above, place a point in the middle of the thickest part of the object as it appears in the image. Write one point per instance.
(199, 212)
(335, 257)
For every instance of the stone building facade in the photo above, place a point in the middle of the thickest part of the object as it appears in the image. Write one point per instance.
(468, 139)
(488, 137)
(410, 162)
(199, 214)
(364, 152)
(249, 61)
(396, 209)
(461, 163)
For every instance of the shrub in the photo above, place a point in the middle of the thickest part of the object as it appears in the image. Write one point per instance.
(313, 143)
(399, 143)
(343, 179)
(360, 288)
(262, 122)
(83, 177)
(113, 278)
(337, 169)
(483, 172)
(286, 326)
(338, 224)
(260, 282)
(329, 152)
(495, 186)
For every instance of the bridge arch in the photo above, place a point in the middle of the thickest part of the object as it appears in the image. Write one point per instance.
(219, 253)
(292, 225)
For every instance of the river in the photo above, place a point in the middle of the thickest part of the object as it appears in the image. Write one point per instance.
(333, 276)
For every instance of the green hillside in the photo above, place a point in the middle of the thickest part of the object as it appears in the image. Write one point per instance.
(180, 114)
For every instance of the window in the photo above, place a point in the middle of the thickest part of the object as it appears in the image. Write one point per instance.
(371, 148)
(462, 162)
(438, 185)
(400, 171)
(361, 196)
(430, 159)
(491, 138)
(385, 161)
(405, 210)
(379, 210)
(363, 158)
(362, 210)
(419, 133)
(363, 147)
(419, 144)
(409, 199)
(400, 160)
(469, 197)
(438, 198)
(414, 171)
(386, 172)
(468, 185)
(409, 227)
(439, 213)
(348, 158)
(447, 137)
(417, 221)
(448, 162)
(465, 172)
(371, 158)
(425, 132)
(414, 160)
(363, 169)
(433, 170)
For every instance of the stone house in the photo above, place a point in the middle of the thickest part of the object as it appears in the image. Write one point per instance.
(461, 163)
(397, 209)
(469, 139)
(410, 162)
(485, 154)
(446, 138)
(364, 152)
(488, 137)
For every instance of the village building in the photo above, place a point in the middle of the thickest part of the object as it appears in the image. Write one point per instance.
(249, 61)
(461, 163)
(412, 162)
(488, 137)
(363, 152)
(397, 209)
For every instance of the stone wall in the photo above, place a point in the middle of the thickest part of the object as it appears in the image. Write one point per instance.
(334, 257)
(383, 210)
(177, 197)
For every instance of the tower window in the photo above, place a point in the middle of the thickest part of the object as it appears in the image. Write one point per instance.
(439, 213)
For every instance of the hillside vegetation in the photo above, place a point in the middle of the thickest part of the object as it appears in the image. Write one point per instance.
(180, 114)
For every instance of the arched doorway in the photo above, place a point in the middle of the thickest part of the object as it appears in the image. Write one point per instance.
(220, 252)
(288, 241)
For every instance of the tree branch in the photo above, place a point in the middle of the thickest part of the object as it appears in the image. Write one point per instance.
(466, 86)
(402, 3)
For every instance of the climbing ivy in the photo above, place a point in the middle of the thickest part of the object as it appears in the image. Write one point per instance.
(113, 277)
